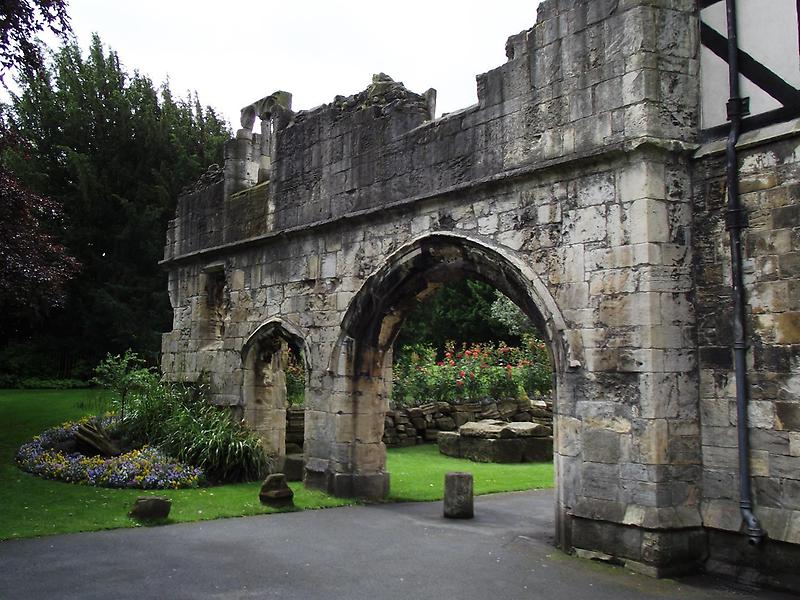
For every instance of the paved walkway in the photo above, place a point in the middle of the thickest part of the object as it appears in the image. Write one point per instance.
(386, 552)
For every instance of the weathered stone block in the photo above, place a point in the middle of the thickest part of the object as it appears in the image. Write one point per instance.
(458, 502)
(150, 508)
(601, 445)
(507, 451)
(445, 423)
(787, 416)
(275, 492)
(537, 449)
(477, 449)
(448, 442)
(431, 435)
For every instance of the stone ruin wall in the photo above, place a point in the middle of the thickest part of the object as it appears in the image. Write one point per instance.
(569, 187)
(770, 192)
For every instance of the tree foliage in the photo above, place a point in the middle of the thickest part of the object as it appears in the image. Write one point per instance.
(21, 22)
(461, 312)
(123, 375)
(508, 314)
(115, 151)
(34, 266)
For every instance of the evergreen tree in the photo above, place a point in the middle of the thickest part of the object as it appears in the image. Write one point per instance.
(460, 311)
(114, 151)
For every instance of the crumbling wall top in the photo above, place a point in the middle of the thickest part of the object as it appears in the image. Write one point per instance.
(385, 93)
(212, 175)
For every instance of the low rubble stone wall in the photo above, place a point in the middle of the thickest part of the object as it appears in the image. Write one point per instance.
(420, 424)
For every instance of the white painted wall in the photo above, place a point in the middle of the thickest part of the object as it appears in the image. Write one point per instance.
(768, 31)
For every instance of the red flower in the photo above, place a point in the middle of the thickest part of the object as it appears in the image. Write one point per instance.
(462, 374)
(459, 383)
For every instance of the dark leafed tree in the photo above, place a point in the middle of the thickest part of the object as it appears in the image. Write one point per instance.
(114, 150)
(34, 266)
(21, 23)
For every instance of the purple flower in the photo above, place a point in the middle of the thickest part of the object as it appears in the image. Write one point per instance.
(146, 468)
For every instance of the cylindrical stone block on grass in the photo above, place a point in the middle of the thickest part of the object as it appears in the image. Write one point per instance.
(458, 495)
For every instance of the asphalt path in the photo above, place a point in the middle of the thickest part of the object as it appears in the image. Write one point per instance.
(390, 551)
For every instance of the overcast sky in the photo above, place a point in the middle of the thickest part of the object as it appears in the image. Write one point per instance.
(238, 51)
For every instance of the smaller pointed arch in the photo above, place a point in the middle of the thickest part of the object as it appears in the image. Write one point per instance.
(265, 358)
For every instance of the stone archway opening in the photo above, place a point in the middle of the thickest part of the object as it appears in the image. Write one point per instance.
(270, 359)
(371, 325)
(467, 354)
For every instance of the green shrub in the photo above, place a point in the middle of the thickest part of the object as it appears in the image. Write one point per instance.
(295, 379)
(471, 373)
(35, 383)
(8, 381)
(501, 382)
(125, 376)
(150, 408)
(537, 376)
(412, 382)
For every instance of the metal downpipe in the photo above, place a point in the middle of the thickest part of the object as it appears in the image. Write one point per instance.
(735, 222)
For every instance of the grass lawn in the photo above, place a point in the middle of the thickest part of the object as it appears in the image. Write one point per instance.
(31, 506)
(417, 473)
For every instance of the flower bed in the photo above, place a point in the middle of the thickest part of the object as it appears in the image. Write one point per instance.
(144, 468)
(476, 373)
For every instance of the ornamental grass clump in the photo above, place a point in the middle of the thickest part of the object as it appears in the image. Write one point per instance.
(206, 436)
(183, 423)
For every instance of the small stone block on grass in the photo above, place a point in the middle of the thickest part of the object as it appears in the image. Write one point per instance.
(458, 502)
(150, 508)
(275, 492)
